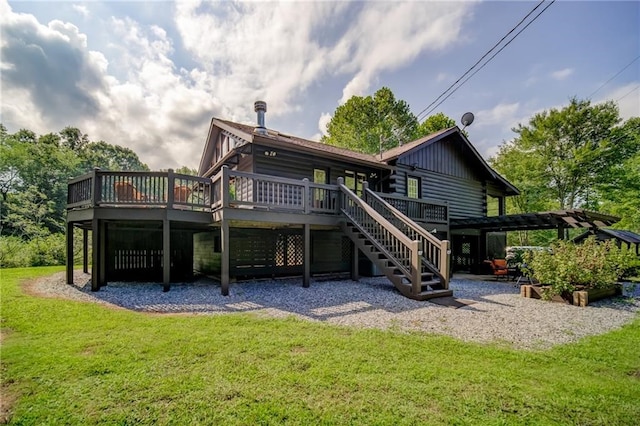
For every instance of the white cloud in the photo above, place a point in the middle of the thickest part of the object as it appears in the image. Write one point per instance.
(81, 9)
(159, 111)
(274, 51)
(562, 74)
(138, 96)
(627, 97)
(502, 114)
(324, 120)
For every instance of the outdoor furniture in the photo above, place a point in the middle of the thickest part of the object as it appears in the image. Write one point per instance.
(125, 191)
(499, 268)
(181, 194)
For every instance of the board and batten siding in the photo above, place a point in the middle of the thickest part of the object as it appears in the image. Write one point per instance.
(466, 198)
(448, 157)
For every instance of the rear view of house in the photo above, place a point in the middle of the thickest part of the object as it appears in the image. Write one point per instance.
(269, 204)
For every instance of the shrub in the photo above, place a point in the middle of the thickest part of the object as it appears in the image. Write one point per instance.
(590, 264)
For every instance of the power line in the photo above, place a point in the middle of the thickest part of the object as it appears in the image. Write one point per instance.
(628, 93)
(485, 63)
(617, 74)
(480, 60)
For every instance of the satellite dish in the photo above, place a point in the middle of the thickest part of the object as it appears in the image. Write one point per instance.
(467, 119)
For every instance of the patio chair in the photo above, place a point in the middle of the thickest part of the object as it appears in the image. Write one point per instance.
(499, 268)
(125, 191)
(181, 194)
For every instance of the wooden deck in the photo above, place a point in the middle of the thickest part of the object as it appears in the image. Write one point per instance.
(169, 202)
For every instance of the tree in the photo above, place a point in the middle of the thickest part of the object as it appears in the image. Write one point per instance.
(371, 124)
(435, 123)
(73, 138)
(619, 190)
(110, 157)
(186, 170)
(563, 152)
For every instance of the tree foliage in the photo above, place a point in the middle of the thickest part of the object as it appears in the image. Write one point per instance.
(372, 124)
(34, 171)
(575, 157)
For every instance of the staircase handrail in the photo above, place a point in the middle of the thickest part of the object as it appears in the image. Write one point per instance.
(442, 247)
(413, 274)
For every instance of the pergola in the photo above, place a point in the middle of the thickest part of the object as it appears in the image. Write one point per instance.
(560, 220)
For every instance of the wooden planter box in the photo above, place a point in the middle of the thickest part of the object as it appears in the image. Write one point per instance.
(580, 297)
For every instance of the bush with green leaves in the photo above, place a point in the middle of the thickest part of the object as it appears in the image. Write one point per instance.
(591, 264)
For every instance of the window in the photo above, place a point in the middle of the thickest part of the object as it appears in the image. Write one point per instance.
(413, 187)
(354, 181)
(319, 176)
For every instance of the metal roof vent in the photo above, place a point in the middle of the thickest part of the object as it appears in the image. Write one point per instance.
(261, 108)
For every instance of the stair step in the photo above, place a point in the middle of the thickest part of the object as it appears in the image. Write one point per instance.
(431, 294)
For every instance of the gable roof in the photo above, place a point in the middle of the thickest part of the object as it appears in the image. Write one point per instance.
(273, 136)
(281, 140)
(396, 153)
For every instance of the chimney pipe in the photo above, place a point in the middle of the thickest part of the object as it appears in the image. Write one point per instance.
(261, 108)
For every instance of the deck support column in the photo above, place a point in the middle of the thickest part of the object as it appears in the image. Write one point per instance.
(561, 232)
(95, 254)
(85, 250)
(224, 267)
(69, 253)
(102, 277)
(355, 272)
(307, 255)
(166, 254)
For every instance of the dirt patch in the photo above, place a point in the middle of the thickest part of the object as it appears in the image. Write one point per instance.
(9, 398)
(635, 374)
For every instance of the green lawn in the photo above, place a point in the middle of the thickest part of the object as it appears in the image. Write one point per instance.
(66, 362)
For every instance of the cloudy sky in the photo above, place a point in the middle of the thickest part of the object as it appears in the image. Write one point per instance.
(150, 75)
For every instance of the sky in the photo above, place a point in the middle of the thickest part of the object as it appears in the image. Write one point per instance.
(150, 75)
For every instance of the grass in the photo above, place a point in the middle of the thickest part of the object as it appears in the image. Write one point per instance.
(66, 362)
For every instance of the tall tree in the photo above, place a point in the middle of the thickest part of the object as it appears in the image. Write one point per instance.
(565, 151)
(619, 190)
(372, 123)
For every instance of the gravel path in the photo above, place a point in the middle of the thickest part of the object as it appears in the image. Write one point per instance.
(494, 312)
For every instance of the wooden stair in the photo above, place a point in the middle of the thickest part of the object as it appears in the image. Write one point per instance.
(431, 285)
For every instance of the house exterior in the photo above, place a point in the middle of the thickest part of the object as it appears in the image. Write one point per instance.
(270, 204)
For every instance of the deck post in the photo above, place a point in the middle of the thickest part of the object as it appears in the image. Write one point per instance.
(224, 267)
(96, 191)
(445, 257)
(171, 184)
(355, 267)
(85, 250)
(95, 255)
(69, 253)
(166, 252)
(416, 268)
(306, 198)
(224, 187)
(307, 255)
(102, 270)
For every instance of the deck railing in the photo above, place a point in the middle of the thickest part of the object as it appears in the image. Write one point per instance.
(249, 190)
(434, 252)
(227, 189)
(143, 189)
(401, 250)
(432, 211)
